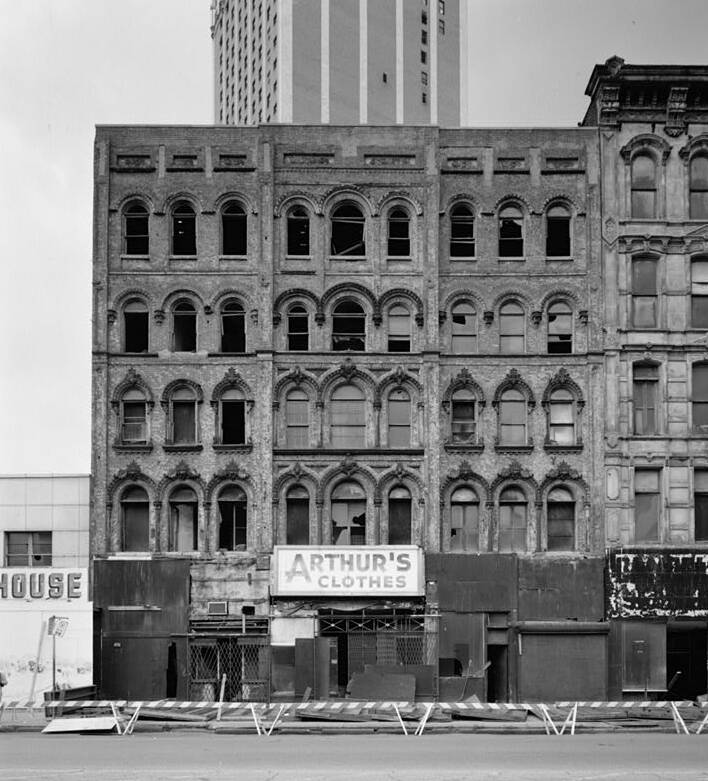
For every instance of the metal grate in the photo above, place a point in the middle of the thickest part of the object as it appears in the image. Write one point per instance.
(245, 661)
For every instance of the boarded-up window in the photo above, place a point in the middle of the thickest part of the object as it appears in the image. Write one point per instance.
(232, 408)
(462, 232)
(348, 514)
(647, 505)
(183, 421)
(700, 496)
(298, 231)
(297, 520)
(643, 656)
(511, 328)
(298, 328)
(644, 393)
(232, 519)
(135, 327)
(699, 398)
(644, 295)
(348, 423)
(399, 516)
(512, 520)
(463, 424)
(511, 232)
(399, 418)
(184, 229)
(133, 417)
(643, 187)
(233, 229)
(348, 327)
(560, 328)
(561, 417)
(699, 293)
(348, 231)
(464, 521)
(135, 527)
(557, 232)
(183, 520)
(399, 239)
(512, 418)
(233, 327)
(136, 237)
(399, 330)
(464, 328)
(297, 416)
(699, 188)
(560, 516)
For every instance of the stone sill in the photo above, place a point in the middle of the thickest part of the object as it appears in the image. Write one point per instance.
(243, 447)
(136, 447)
(182, 448)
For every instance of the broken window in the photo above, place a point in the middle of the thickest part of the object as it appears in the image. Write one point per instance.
(399, 329)
(644, 294)
(511, 232)
(464, 328)
(135, 326)
(647, 505)
(643, 187)
(183, 527)
(561, 417)
(348, 421)
(512, 418)
(644, 397)
(297, 516)
(133, 410)
(183, 416)
(232, 417)
(463, 423)
(298, 328)
(348, 225)
(232, 519)
(135, 521)
(699, 398)
(233, 327)
(700, 503)
(348, 514)
(560, 329)
(298, 227)
(136, 236)
(399, 418)
(399, 239)
(699, 293)
(560, 519)
(297, 416)
(511, 328)
(233, 229)
(184, 229)
(512, 520)
(348, 327)
(399, 516)
(558, 232)
(698, 209)
(28, 549)
(462, 232)
(184, 327)
(464, 521)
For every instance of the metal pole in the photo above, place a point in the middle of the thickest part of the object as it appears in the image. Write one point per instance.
(54, 666)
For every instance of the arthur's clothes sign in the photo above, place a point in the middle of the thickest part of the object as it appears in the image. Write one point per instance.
(348, 571)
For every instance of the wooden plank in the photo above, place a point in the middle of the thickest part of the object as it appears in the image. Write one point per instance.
(78, 724)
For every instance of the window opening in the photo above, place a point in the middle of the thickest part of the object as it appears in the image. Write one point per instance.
(512, 418)
(698, 203)
(232, 519)
(348, 327)
(561, 417)
(464, 328)
(560, 329)
(646, 505)
(399, 240)
(184, 417)
(399, 330)
(512, 521)
(233, 417)
(184, 229)
(136, 230)
(348, 514)
(136, 326)
(183, 520)
(28, 549)
(557, 232)
(133, 417)
(297, 413)
(136, 523)
(464, 521)
(700, 503)
(233, 229)
(399, 418)
(644, 294)
(298, 231)
(643, 187)
(233, 328)
(699, 293)
(511, 328)
(464, 426)
(462, 232)
(399, 516)
(699, 398)
(184, 327)
(298, 328)
(297, 520)
(644, 396)
(348, 426)
(348, 231)
(511, 232)
(560, 515)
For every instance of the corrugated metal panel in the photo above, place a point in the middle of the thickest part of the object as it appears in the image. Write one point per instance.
(570, 588)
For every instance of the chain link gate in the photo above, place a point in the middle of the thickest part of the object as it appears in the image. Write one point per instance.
(244, 660)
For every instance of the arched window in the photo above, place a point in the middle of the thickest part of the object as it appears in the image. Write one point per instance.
(233, 327)
(133, 417)
(643, 187)
(512, 418)
(511, 232)
(136, 234)
(298, 226)
(560, 516)
(512, 520)
(561, 417)
(699, 397)
(348, 225)
(462, 232)
(348, 426)
(135, 326)
(464, 328)
(183, 525)
(348, 327)
(699, 292)
(182, 423)
(298, 328)
(297, 516)
(511, 328)
(557, 232)
(644, 293)
(399, 234)
(464, 521)
(399, 516)
(463, 423)
(348, 514)
(233, 229)
(297, 419)
(698, 178)
(645, 383)
(399, 418)
(233, 516)
(184, 327)
(399, 329)
(184, 229)
(232, 417)
(560, 329)
(135, 520)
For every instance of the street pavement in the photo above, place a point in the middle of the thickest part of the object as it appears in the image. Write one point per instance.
(200, 756)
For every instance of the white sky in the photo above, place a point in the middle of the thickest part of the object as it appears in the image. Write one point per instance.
(66, 65)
